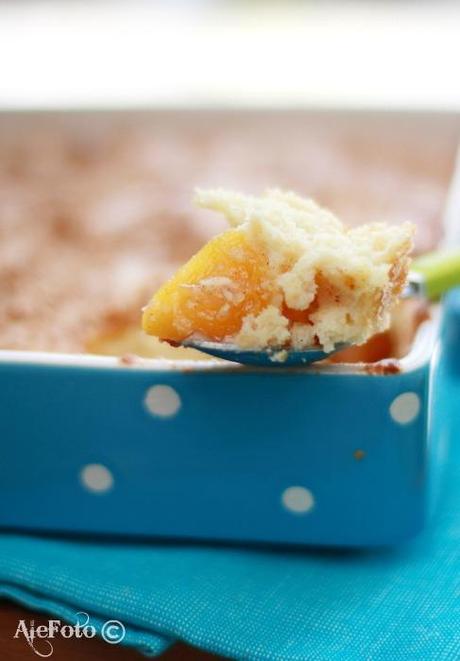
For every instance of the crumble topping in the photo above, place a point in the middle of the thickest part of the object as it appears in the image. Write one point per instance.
(95, 213)
(345, 280)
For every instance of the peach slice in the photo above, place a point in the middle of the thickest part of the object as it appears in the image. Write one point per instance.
(212, 293)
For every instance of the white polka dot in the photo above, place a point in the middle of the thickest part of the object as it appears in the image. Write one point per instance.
(298, 500)
(162, 401)
(405, 408)
(96, 478)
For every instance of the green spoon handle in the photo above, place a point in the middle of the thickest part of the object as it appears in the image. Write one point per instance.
(440, 271)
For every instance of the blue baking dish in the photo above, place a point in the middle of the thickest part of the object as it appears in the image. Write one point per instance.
(325, 455)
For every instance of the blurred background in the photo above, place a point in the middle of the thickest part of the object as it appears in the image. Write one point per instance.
(141, 53)
(106, 194)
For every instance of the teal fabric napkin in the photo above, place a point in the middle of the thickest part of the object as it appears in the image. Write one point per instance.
(401, 604)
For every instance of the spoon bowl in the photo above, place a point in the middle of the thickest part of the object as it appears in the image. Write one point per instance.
(262, 358)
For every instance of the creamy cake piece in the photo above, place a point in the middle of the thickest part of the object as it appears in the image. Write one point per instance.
(287, 274)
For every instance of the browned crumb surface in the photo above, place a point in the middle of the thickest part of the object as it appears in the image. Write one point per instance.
(95, 209)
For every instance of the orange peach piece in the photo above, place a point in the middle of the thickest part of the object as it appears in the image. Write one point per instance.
(212, 293)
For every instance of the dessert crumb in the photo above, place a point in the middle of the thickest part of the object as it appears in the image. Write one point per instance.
(128, 359)
(382, 367)
(279, 356)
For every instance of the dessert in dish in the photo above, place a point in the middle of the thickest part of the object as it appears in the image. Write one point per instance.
(95, 209)
(287, 274)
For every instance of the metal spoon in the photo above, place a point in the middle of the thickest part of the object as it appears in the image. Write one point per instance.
(262, 358)
(432, 275)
